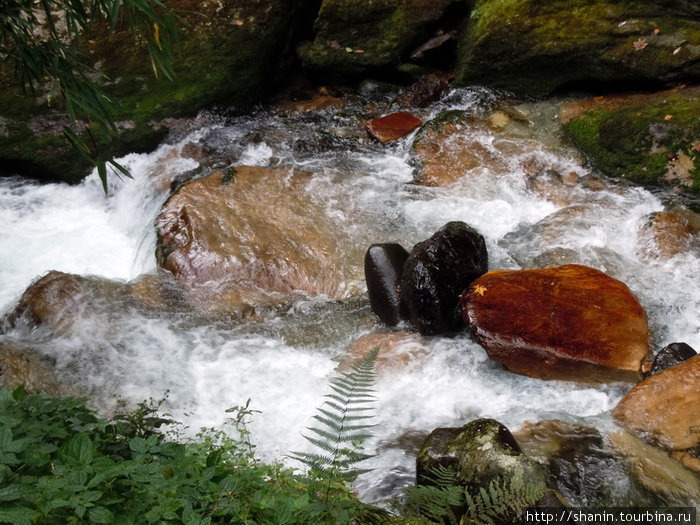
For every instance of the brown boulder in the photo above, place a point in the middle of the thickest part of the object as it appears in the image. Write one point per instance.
(664, 407)
(52, 300)
(248, 234)
(392, 127)
(572, 322)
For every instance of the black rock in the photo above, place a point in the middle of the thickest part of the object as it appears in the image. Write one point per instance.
(436, 272)
(383, 267)
(671, 355)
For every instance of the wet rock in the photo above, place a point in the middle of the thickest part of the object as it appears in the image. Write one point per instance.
(53, 300)
(651, 140)
(479, 452)
(657, 471)
(664, 407)
(576, 458)
(383, 269)
(20, 365)
(665, 235)
(572, 322)
(248, 236)
(435, 274)
(356, 38)
(450, 146)
(428, 89)
(533, 48)
(392, 127)
(397, 350)
(671, 355)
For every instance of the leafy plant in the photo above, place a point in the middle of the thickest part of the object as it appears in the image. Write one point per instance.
(343, 423)
(40, 40)
(447, 501)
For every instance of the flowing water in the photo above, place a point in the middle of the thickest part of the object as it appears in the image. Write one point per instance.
(282, 359)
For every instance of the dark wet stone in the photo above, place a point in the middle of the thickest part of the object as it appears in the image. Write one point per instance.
(436, 272)
(383, 267)
(671, 355)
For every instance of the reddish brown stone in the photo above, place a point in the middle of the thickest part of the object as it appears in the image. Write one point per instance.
(392, 127)
(396, 350)
(664, 407)
(570, 322)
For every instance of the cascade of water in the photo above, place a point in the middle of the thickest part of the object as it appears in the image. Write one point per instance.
(283, 359)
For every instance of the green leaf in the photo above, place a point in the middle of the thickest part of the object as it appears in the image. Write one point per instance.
(100, 515)
(18, 515)
(78, 450)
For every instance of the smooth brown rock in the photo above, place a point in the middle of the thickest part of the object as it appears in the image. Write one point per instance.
(247, 235)
(664, 407)
(572, 322)
(666, 235)
(392, 127)
(52, 300)
(396, 350)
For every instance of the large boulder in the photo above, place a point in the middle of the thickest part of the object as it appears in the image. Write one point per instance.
(358, 38)
(572, 322)
(436, 272)
(533, 47)
(651, 140)
(664, 407)
(231, 52)
(245, 235)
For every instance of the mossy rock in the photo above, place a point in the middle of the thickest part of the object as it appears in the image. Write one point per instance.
(653, 143)
(533, 48)
(232, 52)
(355, 38)
(479, 452)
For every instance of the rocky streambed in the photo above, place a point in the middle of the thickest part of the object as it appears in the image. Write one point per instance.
(234, 267)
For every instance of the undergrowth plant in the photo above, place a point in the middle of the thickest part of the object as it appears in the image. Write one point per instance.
(447, 501)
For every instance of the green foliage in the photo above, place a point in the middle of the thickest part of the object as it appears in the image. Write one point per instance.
(42, 42)
(447, 501)
(60, 463)
(343, 423)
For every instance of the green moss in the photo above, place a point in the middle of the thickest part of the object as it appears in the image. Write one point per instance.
(639, 142)
(533, 47)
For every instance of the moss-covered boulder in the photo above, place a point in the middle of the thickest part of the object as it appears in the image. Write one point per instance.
(232, 52)
(651, 140)
(534, 47)
(354, 38)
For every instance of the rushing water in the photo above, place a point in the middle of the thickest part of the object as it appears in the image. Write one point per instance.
(282, 360)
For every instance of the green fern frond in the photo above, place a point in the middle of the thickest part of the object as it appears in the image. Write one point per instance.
(446, 501)
(343, 422)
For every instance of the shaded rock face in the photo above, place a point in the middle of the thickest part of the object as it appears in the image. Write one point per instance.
(578, 460)
(246, 235)
(671, 355)
(383, 268)
(572, 322)
(533, 47)
(231, 52)
(481, 451)
(392, 127)
(355, 38)
(436, 272)
(651, 140)
(664, 407)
